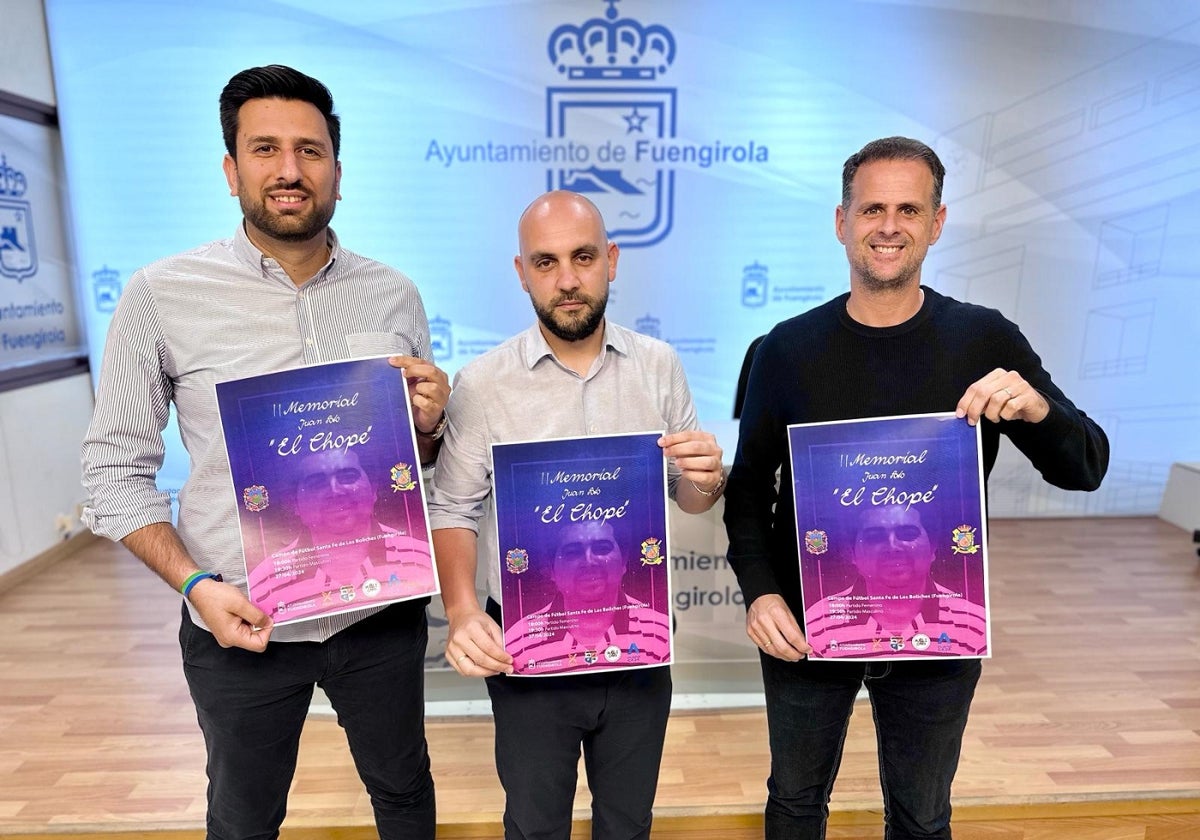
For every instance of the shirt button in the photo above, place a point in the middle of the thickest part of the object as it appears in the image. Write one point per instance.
(309, 342)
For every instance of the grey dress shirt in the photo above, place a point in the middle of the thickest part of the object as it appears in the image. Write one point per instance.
(518, 391)
(224, 311)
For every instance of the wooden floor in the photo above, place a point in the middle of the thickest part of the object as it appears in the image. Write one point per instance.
(1086, 723)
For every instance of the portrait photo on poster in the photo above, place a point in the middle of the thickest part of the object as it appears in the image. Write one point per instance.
(892, 532)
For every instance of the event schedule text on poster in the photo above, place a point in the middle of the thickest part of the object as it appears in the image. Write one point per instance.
(582, 531)
(328, 484)
(892, 536)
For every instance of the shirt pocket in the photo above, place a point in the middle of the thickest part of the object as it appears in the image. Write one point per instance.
(379, 344)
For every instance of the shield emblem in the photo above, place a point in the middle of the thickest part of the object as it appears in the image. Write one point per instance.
(18, 255)
(634, 193)
(106, 284)
(754, 285)
(441, 338)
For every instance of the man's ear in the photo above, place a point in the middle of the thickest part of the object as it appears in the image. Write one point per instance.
(231, 173)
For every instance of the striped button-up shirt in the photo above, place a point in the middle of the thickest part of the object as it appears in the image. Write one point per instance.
(224, 311)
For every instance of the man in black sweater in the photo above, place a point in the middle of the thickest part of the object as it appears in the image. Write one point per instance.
(888, 347)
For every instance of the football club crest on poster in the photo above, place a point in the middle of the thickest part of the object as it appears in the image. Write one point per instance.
(18, 256)
(441, 339)
(754, 285)
(964, 540)
(652, 552)
(816, 542)
(402, 478)
(106, 289)
(255, 498)
(517, 561)
(614, 63)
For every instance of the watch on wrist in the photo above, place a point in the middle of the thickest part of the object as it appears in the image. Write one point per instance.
(438, 430)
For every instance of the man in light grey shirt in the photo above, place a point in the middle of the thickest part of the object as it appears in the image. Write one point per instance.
(280, 294)
(572, 373)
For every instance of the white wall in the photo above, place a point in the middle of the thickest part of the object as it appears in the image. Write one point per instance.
(40, 426)
(25, 69)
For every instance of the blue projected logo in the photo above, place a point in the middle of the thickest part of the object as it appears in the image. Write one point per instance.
(754, 285)
(18, 256)
(623, 121)
(441, 339)
(649, 325)
(106, 288)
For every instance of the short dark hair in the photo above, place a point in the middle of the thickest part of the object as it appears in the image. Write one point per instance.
(275, 81)
(894, 148)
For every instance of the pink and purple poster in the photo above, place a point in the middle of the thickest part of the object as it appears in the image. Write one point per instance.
(892, 531)
(329, 489)
(584, 562)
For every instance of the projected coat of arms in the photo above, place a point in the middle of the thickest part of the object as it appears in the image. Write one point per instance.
(18, 257)
(615, 107)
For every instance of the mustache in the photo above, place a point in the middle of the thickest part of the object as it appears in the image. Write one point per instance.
(574, 297)
(290, 185)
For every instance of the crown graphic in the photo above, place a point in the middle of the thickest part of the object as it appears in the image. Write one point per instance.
(439, 323)
(611, 48)
(12, 181)
(648, 325)
(105, 275)
(754, 271)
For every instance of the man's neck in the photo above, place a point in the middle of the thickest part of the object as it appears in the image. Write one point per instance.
(576, 355)
(299, 260)
(884, 307)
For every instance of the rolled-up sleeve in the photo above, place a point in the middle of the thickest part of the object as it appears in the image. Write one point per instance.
(123, 450)
(462, 479)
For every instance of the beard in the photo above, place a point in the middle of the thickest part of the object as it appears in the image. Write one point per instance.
(573, 327)
(905, 274)
(292, 227)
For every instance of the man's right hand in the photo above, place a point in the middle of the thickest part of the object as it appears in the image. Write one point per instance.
(771, 626)
(475, 647)
(228, 613)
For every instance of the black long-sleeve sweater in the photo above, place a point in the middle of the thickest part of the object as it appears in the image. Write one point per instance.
(822, 365)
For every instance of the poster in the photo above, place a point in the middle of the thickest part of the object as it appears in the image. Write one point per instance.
(328, 484)
(582, 532)
(892, 533)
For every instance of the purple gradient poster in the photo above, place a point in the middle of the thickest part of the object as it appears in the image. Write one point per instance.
(582, 532)
(892, 534)
(329, 490)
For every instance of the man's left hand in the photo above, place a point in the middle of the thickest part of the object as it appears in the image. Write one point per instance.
(698, 457)
(428, 388)
(1003, 395)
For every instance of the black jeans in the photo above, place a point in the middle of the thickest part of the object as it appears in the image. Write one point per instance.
(252, 706)
(920, 710)
(619, 719)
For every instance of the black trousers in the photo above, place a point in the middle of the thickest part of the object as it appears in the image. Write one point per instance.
(619, 720)
(252, 707)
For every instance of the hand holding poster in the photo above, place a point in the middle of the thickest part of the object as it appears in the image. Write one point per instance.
(328, 483)
(582, 527)
(893, 537)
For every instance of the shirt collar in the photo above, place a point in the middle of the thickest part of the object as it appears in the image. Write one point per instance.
(536, 347)
(248, 252)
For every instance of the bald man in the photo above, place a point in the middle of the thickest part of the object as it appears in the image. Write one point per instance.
(572, 373)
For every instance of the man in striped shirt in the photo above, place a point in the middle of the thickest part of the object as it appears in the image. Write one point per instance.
(281, 293)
